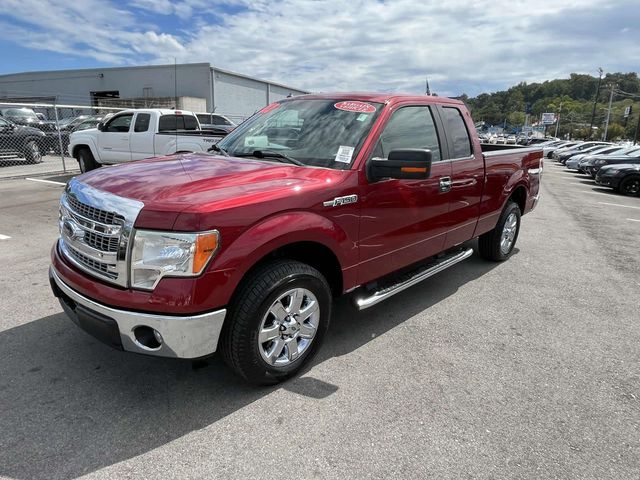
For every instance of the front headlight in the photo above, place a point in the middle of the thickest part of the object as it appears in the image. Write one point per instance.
(170, 254)
(599, 162)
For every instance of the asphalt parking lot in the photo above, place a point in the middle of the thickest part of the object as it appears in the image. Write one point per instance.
(525, 369)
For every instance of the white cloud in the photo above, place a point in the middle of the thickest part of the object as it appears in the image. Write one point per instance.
(350, 45)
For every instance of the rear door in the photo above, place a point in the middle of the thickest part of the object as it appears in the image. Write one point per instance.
(9, 142)
(113, 140)
(141, 137)
(404, 221)
(467, 175)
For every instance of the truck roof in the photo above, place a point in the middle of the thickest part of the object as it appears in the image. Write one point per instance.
(161, 111)
(380, 97)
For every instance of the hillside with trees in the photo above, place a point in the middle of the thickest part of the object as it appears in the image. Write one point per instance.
(572, 98)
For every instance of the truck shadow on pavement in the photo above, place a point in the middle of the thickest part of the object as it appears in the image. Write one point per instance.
(70, 405)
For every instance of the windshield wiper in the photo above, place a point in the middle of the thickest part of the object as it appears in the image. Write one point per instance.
(216, 148)
(271, 154)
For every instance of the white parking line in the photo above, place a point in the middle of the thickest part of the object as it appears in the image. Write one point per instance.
(633, 219)
(4, 237)
(45, 181)
(618, 205)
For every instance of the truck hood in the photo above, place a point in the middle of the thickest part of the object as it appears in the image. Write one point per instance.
(204, 183)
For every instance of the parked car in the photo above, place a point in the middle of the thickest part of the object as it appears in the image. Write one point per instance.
(574, 162)
(623, 178)
(28, 118)
(548, 150)
(137, 134)
(578, 148)
(315, 196)
(21, 141)
(598, 161)
(215, 122)
(511, 140)
(563, 157)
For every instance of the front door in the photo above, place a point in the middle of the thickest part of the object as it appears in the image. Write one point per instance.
(404, 221)
(113, 140)
(141, 138)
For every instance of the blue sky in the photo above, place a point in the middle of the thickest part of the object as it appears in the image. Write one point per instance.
(463, 46)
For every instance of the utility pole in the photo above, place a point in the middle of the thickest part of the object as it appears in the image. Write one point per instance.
(606, 124)
(558, 120)
(595, 102)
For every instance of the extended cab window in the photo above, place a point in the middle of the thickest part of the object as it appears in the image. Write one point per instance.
(409, 127)
(457, 132)
(120, 123)
(177, 122)
(142, 122)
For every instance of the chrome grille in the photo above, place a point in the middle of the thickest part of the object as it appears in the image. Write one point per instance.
(98, 267)
(93, 213)
(95, 228)
(102, 242)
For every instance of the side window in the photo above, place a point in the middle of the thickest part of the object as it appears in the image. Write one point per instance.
(142, 122)
(120, 123)
(177, 122)
(218, 120)
(457, 132)
(409, 127)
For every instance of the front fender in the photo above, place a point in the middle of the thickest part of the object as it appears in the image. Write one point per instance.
(77, 140)
(277, 231)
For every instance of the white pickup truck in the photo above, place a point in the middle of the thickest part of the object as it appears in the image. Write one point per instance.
(137, 134)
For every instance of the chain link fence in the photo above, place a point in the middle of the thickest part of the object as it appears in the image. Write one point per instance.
(34, 137)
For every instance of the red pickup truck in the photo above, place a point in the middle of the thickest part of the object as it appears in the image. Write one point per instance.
(242, 250)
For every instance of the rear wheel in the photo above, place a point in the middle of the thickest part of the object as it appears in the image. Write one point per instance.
(277, 321)
(630, 185)
(32, 152)
(86, 160)
(498, 244)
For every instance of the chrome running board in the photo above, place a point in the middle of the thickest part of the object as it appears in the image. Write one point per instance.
(440, 264)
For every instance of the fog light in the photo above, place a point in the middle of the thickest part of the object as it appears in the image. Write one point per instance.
(148, 338)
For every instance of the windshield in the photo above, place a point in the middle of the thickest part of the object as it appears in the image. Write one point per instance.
(20, 113)
(320, 133)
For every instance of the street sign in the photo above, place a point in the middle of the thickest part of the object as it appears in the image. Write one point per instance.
(548, 118)
(627, 111)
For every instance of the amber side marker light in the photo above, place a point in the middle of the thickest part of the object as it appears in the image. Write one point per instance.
(206, 245)
(414, 169)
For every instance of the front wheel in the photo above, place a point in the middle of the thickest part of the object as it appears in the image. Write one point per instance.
(630, 186)
(32, 152)
(498, 244)
(86, 160)
(277, 321)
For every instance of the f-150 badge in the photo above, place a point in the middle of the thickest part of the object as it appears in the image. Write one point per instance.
(336, 202)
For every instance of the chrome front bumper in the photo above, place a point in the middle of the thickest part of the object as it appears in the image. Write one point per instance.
(182, 336)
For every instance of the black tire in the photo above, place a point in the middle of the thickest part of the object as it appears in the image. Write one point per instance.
(630, 185)
(32, 152)
(86, 160)
(490, 244)
(257, 293)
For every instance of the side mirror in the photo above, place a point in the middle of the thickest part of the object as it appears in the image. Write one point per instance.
(100, 126)
(403, 163)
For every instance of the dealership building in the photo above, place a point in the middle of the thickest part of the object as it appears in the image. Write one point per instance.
(191, 86)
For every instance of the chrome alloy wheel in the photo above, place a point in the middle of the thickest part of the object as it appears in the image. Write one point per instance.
(288, 327)
(508, 233)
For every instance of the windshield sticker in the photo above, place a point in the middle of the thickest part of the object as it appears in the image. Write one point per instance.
(362, 117)
(270, 107)
(344, 154)
(260, 141)
(358, 107)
